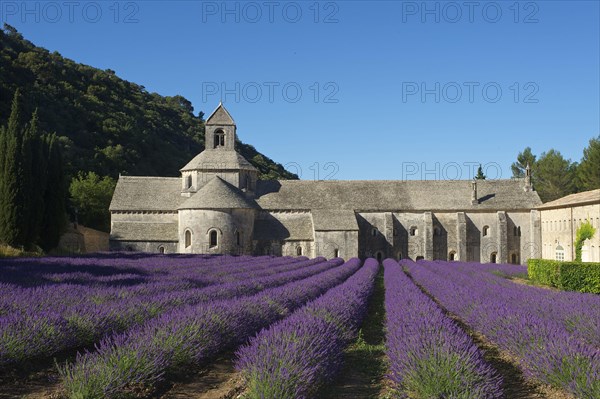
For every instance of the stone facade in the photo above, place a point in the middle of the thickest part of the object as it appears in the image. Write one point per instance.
(220, 206)
(560, 220)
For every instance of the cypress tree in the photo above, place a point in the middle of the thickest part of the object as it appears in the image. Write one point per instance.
(13, 196)
(37, 178)
(54, 215)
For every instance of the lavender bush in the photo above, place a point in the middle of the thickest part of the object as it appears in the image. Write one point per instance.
(187, 336)
(296, 356)
(554, 335)
(429, 355)
(42, 321)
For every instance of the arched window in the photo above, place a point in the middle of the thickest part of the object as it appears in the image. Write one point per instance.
(374, 231)
(515, 231)
(213, 239)
(336, 253)
(395, 232)
(161, 250)
(560, 253)
(452, 256)
(299, 251)
(188, 238)
(238, 238)
(414, 231)
(437, 231)
(399, 255)
(514, 259)
(219, 138)
(379, 256)
(493, 257)
(485, 231)
(188, 181)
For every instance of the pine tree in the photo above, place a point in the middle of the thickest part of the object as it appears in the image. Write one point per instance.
(480, 175)
(588, 171)
(555, 176)
(524, 158)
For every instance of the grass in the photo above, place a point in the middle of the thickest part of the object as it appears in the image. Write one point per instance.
(364, 360)
(10, 252)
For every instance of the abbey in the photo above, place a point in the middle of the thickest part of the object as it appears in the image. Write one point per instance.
(220, 206)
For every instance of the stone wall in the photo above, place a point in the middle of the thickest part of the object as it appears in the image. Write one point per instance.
(559, 229)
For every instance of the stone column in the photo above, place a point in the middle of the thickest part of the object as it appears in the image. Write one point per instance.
(461, 236)
(389, 234)
(534, 249)
(502, 238)
(428, 235)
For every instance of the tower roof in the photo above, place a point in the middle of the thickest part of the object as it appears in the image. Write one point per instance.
(218, 194)
(219, 159)
(220, 116)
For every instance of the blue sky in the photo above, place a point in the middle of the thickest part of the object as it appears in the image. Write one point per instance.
(355, 89)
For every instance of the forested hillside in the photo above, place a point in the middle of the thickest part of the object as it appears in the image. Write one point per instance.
(105, 124)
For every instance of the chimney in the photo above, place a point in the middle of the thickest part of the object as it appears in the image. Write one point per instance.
(528, 186)
(474, 200)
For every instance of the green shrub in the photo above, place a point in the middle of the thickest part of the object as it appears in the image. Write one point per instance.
(585, 231)
(571, 276)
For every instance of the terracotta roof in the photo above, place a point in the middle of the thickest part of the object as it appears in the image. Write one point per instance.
(218, 194)
(334, 220)
(283, 226)
(142, 231)
(586, 197)
(218, 159)
(134, 193)
(379, 195)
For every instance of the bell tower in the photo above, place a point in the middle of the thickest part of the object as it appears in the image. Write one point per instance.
(219, 158)
(220, 131)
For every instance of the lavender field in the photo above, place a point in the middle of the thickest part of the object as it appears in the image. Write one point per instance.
(130, 325)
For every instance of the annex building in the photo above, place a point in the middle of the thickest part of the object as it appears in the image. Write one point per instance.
(219, 205)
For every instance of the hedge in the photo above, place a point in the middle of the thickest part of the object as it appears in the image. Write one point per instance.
(570, 276)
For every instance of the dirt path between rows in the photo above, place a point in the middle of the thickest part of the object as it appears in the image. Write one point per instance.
(42, 384)
(220, 380)
(363, 373)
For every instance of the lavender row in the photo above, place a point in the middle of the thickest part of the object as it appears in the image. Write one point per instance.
(201, 274)
(188, 336)
(429, 355)
(38, 334)
(578, 313)
(296, 356)
(518, 320)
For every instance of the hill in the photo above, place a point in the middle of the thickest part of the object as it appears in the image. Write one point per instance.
(105, 124)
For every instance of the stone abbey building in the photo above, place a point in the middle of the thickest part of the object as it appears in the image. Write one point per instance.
(220, 206)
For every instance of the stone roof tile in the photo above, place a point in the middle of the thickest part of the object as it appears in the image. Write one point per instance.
(218, 194)
(586, 197)
(386, 195)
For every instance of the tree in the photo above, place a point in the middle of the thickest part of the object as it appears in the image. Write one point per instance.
(588, 171)
(525, 157)
(555, 176)
(54, 217)
(14, 196)
(24, 184)
(91, 196)
(480, 175)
